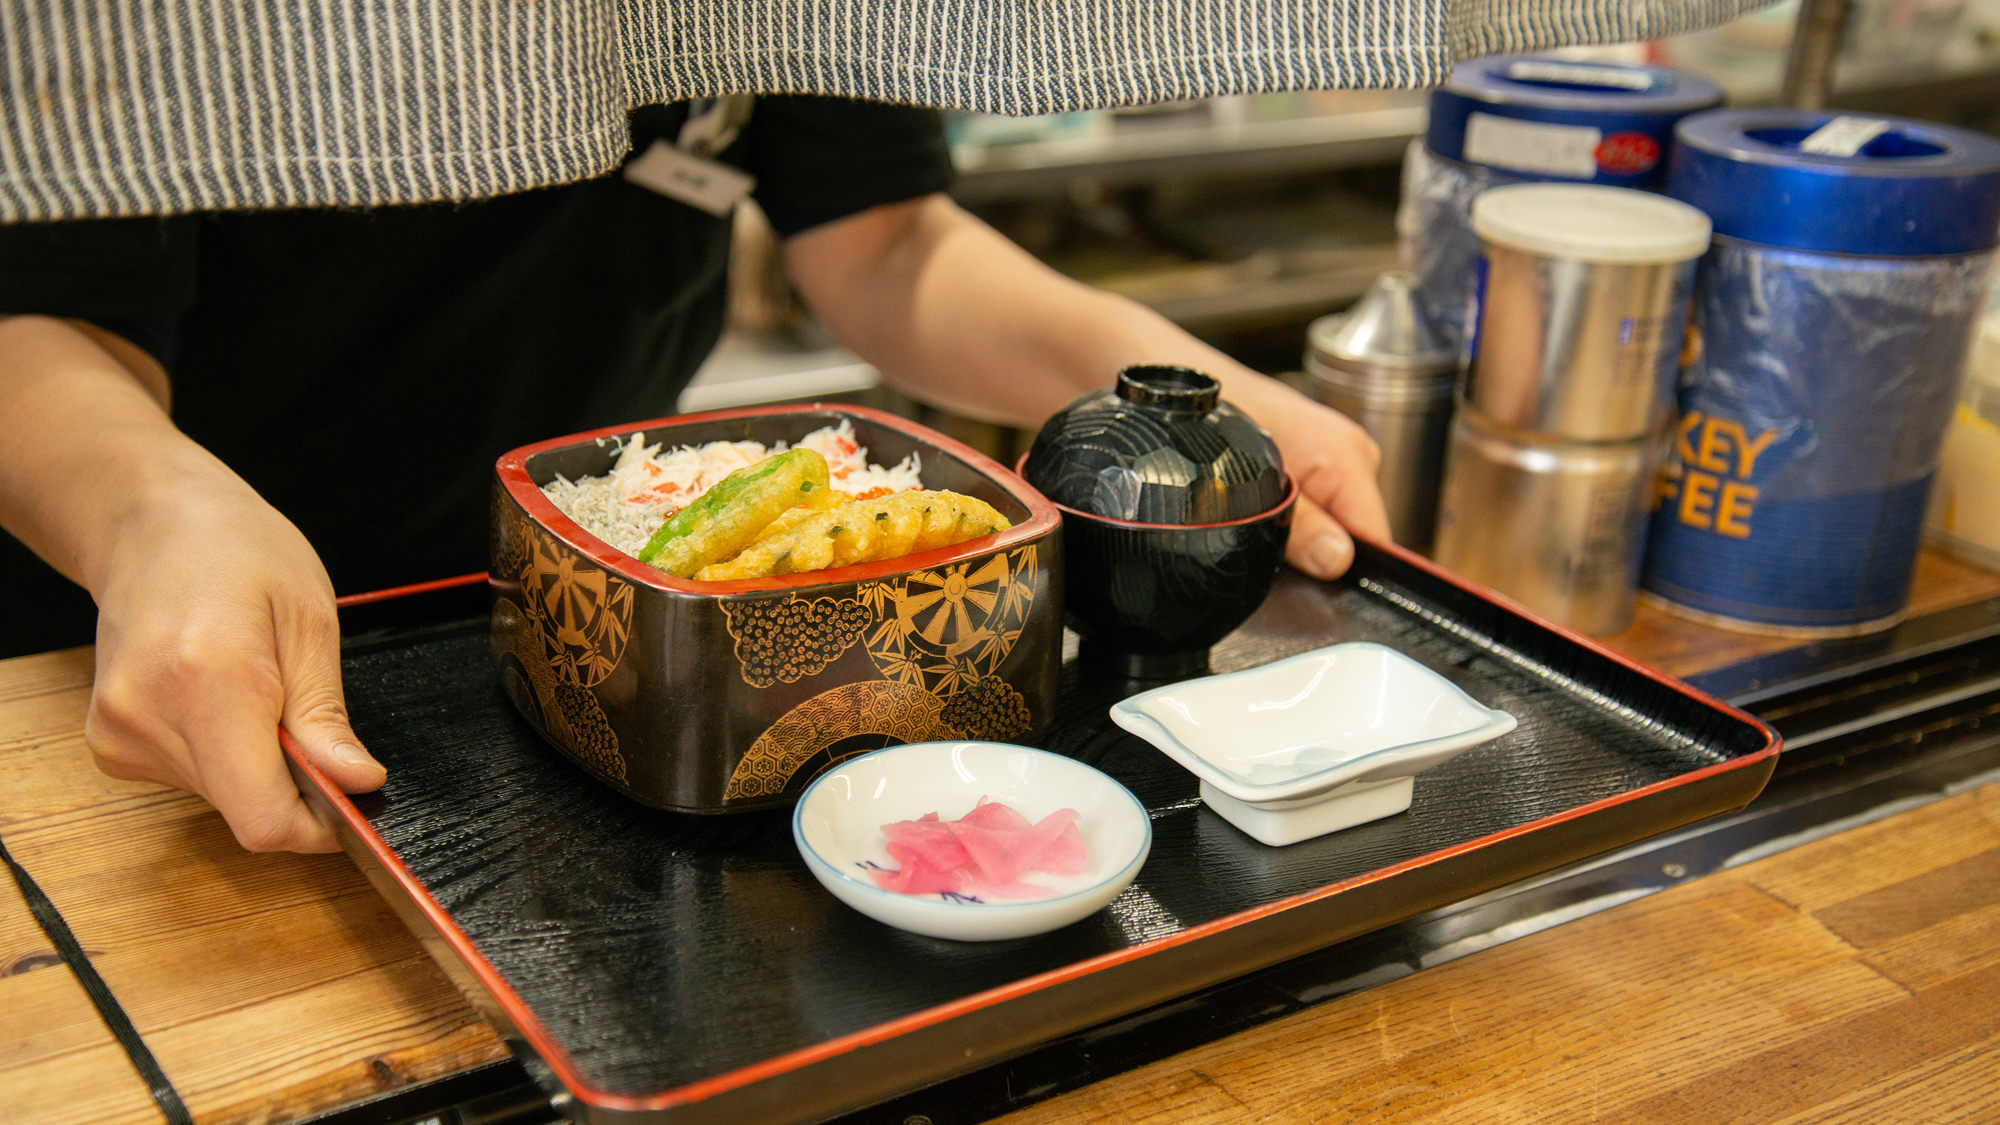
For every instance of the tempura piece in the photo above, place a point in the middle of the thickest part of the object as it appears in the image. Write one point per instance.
(790, 519)
(864, 531)
(731, 514)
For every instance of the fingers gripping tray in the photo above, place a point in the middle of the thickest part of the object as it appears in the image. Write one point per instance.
(676, 968)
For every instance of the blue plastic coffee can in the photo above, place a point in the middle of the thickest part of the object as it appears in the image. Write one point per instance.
(1509, 119)
(1548, 118)
(1833, 316)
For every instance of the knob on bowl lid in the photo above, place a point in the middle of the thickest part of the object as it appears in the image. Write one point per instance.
(1169, 386)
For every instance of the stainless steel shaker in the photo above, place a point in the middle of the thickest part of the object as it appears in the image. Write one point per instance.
(1384, 364)
(1580, 304)
(1577, 349)
(1559, 526)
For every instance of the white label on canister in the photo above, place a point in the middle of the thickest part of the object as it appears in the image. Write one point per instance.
(1843, 136)
(1532, 146)
(1575, 74)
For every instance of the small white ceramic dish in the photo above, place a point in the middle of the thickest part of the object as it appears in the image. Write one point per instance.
(838, 829)
(1314, 743)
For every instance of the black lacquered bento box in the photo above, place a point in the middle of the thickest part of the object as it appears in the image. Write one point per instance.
(716, 697)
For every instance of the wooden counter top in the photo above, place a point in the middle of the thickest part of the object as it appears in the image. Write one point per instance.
(268, 986)
(1854, 978)
(1681, 647)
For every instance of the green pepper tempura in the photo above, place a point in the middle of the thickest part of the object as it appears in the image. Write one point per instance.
(731, 514)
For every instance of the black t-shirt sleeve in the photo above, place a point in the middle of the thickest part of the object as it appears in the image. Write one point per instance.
(130, 276)
(821, 159)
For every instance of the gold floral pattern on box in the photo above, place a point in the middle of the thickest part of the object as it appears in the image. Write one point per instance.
(937, 638)
(785, 640)
(567, 633)
(988, 709)
(512, 555)
(898, 711)
(814, 732)
(585, 613)
(568, 713)
(934, 629)
(943, 629)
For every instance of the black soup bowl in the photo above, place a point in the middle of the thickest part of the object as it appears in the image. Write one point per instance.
(1175, 510)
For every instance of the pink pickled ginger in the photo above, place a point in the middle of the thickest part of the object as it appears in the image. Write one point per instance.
(982, 854)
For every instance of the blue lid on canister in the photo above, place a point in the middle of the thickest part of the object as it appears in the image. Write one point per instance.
(1558, 119)
(1876, 186)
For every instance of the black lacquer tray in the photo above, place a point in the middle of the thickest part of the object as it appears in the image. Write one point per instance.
(675, 968)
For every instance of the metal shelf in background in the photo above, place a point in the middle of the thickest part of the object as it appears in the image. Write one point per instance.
(1264, 288)
(1138, 150)
(1142, 149)
(1968, 99)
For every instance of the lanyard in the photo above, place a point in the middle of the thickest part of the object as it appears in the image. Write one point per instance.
(713, 124)
(687, 170)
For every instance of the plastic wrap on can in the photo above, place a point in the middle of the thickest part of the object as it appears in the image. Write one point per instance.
(1964, 517)
(1811, 421)
(1434, 231)
(1510, 119)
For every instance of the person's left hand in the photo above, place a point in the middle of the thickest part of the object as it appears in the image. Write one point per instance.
(1333, 459)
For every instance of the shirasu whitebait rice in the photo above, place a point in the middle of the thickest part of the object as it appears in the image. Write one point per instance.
(647, 485)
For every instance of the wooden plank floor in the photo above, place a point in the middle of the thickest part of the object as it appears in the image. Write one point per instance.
(1854, 979)
(268, 986)
(275, 987)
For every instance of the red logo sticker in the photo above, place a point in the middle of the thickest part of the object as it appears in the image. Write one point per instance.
(1627, 154)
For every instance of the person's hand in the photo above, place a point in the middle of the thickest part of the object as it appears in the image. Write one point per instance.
(216, 624)
(1333, 459)
(215, 619)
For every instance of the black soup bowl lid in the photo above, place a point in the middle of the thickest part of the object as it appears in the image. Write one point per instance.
(1160, 447)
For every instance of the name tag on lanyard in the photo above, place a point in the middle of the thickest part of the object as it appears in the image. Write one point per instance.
(685, 171)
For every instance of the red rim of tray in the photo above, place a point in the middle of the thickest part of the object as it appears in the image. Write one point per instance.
(538, 1036)
(346, 601)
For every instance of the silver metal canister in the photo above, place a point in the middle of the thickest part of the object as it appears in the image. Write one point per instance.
(1385, 365)
(1558, 526)
(1581, 302)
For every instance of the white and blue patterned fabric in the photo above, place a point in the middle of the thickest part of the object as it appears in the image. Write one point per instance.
(128, 107)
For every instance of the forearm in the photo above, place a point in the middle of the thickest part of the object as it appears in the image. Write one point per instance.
(982, 328)
(88, 439)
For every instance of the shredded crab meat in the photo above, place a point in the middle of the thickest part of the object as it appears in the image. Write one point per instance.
(647, 485)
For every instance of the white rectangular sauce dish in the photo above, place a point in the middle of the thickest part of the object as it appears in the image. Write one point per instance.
(1313, 743)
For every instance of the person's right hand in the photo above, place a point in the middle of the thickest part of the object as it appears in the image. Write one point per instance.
(216, 621)
(216, 624)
